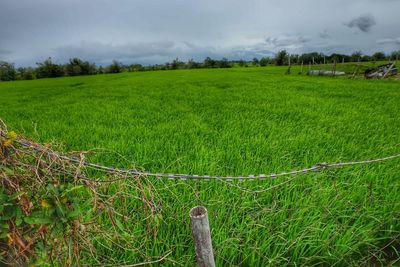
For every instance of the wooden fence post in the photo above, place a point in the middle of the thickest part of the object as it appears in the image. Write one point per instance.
(301, 68)
(334, 68)
(201, 236)
(288, 70)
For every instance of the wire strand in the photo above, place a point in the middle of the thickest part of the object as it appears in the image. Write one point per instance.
(134, 172)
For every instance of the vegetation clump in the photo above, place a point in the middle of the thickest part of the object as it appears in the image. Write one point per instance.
(49, 209)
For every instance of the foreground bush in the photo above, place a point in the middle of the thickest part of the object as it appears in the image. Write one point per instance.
(50, 210)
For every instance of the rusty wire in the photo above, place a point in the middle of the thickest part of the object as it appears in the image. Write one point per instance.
(128, 173)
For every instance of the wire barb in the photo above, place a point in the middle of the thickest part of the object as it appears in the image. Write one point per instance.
(172, 176)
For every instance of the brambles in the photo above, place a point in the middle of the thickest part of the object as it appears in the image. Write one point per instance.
(41, 208)
(47, 212)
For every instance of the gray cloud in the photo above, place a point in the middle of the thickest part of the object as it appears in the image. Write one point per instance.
(390, 41)
(364, 23)
(104, 53)
(287, 42)
(155, 31)
(250, 52)
(154, 52)
(4, 52)
(324, 34)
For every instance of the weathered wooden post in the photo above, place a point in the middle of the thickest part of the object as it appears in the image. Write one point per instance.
(288, 70)
(202, 236)
(334, 68)
(301, 68)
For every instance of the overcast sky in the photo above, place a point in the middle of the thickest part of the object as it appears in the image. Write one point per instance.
(156, 31)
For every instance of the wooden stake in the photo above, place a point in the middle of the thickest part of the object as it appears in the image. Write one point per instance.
(201, 236)
(288, 71)
(334, 68)
(301, 68)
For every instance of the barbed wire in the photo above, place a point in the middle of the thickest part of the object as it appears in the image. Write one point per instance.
(134, 172)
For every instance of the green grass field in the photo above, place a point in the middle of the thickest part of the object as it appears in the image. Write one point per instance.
(237, 121)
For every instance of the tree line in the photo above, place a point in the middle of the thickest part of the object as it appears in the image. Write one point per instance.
(283, 58)
(76, 66)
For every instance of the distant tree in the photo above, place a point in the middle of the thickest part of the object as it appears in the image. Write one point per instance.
(281, 58)
(209, 63)
(174, 64)
(313, 57)
(378, 56)
(115, 67)
(177, 64)
(395, 55)
(20, 73)
(29, 74)
(338, 57)
(356, 56)
(294, 58)
(366, 58)
(26, 73)
(7, 71)
(223, 63)
(88, 68)
(264, 61)
(241, 63)
(135, 67)
(74, 67)
(191, 64)
(255, 62)
(48, 69)
(77, 66)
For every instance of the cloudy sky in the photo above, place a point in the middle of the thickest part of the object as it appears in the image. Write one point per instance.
(156, 31)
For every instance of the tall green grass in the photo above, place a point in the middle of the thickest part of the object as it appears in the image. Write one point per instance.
(234, 122)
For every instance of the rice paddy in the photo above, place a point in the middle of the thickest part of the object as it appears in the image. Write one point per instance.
(239, 121)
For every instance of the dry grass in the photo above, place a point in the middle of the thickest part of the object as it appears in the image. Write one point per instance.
(51, 207)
